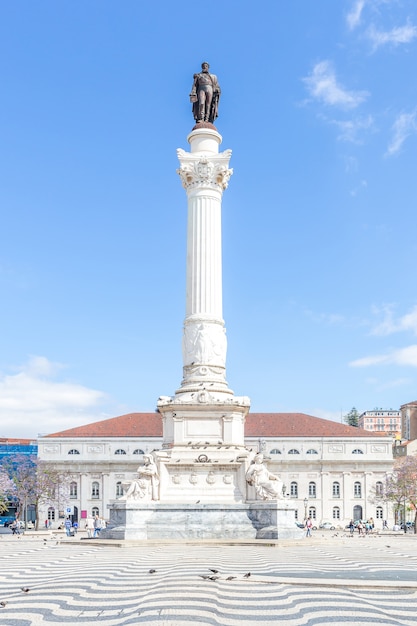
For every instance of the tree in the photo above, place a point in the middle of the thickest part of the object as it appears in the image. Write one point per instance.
(401, 487)
(36, 483)
(352, 418)
(6, 490)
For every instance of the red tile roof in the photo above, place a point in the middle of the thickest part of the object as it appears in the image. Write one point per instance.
(130, 425)
(257, 425)
(299, 425)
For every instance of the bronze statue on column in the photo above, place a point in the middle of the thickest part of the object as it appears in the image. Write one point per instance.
(205, 95)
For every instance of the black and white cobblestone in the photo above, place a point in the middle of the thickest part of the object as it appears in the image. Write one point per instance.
(315, 582)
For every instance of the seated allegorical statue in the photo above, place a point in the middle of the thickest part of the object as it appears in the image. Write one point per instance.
(268, 486)
(145, 486)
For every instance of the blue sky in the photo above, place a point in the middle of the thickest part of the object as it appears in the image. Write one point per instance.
(319, 106)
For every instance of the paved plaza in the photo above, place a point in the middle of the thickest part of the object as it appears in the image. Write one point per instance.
(329, 579)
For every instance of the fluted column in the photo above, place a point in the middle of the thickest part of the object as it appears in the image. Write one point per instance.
(204, 174)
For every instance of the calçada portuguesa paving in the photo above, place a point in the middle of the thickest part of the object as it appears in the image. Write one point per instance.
(328, 579)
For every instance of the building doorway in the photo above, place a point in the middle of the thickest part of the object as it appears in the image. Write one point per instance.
(357, 512)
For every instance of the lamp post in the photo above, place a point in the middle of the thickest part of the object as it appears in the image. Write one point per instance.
(305, 508)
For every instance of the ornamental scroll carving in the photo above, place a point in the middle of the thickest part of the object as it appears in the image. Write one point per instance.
(204, 170)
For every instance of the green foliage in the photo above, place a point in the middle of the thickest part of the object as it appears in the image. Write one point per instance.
(352, 418)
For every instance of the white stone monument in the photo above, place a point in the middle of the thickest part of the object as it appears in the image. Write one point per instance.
(204, 482)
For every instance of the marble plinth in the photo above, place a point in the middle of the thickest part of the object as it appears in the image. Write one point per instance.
(273, 519)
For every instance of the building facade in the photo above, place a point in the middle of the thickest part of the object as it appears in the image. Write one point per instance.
(331, 472)
(387, 421)
(409, 421)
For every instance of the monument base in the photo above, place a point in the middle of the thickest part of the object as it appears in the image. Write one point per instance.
(271, 519)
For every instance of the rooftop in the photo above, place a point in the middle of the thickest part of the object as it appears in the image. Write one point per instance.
(257, 425)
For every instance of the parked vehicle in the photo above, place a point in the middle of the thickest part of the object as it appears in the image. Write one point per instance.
(6, 521)
(327, 526)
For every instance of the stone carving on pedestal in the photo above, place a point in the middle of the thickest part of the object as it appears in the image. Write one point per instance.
(204, 343)
(267, 485)
(145, 487)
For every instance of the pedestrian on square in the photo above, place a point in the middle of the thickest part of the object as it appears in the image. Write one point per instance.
(351, 527)
(89, 526)
(385, 525)
(68, 527)
(97, 526)
(75, 527)
(308, 527)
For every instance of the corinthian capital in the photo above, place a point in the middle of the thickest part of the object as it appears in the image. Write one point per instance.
(204, 170)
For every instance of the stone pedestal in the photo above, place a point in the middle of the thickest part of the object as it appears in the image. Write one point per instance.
(252, 520)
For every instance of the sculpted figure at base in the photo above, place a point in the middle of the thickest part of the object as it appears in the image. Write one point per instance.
(267, 486)
(146, 484)
(205, 95)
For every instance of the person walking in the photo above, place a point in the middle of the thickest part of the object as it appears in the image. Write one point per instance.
(97, 526)
(351, 527)
(68, 527)
(308, 526)
(89, 526)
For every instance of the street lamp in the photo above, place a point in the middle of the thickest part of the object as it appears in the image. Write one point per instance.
(305, 507)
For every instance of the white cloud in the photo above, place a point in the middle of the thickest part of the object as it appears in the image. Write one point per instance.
(404, 126)
(350, 129)
(404, 357)
(396, 36)
(390, 325)
(323, 86)
(353, 18)
(382, 385)
(32, 402)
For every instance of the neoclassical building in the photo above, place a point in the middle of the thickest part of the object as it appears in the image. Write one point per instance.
(330, 471)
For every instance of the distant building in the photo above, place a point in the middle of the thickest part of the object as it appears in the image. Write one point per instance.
(386, 421)
(331, 471)
(409, 421)
(10, 448)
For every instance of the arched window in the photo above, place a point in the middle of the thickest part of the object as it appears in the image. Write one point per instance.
(293, 451)
(95, 511)
(120, 451)
(379, 488)
(379, 512)
(312, 512)
(336, 490)
(311, 451)
(275, 451)
(73, 451)
(138, 451)
(336, 512)
(95, 490)
(357, 451)
(51, 514)
(357, 489)
(119, 490)
(73, 490)
(294, 490)
(312, 490)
